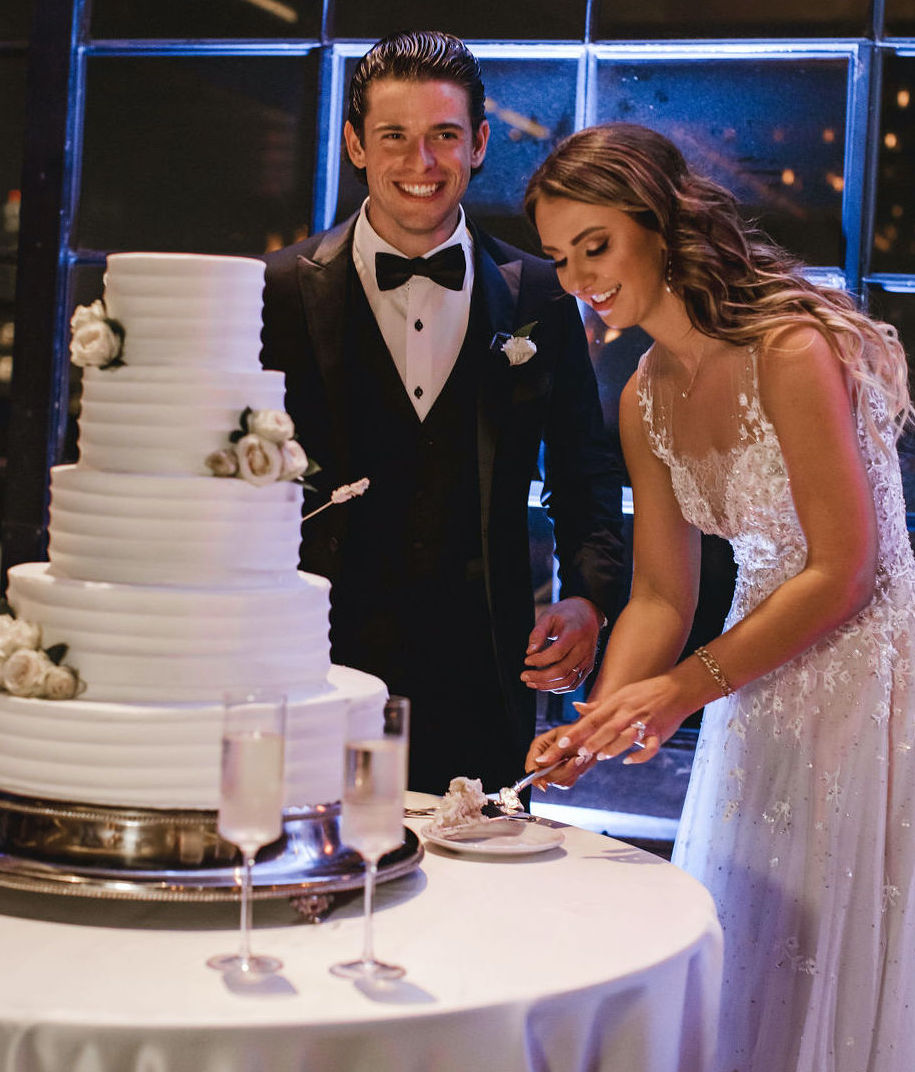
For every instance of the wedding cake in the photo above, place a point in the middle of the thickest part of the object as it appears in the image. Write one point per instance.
(170, 585)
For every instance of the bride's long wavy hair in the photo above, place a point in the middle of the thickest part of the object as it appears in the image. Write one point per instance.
(736, 283)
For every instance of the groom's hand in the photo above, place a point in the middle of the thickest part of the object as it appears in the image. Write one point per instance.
(562, 646)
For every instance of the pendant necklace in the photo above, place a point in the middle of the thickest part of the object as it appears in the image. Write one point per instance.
(692, 380)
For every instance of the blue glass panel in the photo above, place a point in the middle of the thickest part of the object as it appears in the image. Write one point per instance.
(725, 18)
(474, 20)
(203, 19)
(530, 104)
(203, 154)
(894, 221)
(770, 130)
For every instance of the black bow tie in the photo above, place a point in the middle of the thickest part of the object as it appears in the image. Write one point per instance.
(445, 268)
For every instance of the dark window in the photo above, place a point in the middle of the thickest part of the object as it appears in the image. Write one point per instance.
(15, 20)
(770, 130)
(474, 20)
(897, 307)
(182, 19)
(210, 155)
(899, 17)
(729, 18)
(894, 223)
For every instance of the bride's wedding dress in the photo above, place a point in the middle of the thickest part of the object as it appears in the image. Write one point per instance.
(800, 813)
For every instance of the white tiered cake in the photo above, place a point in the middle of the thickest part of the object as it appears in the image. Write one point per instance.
(169, 585)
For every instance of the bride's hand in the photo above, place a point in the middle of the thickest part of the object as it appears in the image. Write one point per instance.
(644, 713)
(563, 777)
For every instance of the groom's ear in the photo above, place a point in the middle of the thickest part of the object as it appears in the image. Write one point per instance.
(353, 145)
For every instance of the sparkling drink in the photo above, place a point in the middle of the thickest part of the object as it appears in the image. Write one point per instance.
(251, 803)
(251, 797)
(372, 812)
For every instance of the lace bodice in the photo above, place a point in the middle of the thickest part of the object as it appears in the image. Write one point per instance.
(730, 479)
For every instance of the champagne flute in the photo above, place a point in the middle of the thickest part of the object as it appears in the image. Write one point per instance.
(374, 781)
(251, 800)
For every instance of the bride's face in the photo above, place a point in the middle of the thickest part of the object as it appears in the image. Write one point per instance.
(604, 257)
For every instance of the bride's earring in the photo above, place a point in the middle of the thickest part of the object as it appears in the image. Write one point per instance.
(668, 283)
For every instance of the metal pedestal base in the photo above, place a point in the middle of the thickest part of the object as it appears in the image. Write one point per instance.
(57, 847)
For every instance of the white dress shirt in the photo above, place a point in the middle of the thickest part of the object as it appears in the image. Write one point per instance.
(422, 323)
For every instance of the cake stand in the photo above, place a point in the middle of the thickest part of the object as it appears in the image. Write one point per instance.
(52, 846)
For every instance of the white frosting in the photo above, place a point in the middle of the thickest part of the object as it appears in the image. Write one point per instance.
(151, 420)
(179, 643)
(167, 755)
(179, 530)
(170, 586)
(184, 310)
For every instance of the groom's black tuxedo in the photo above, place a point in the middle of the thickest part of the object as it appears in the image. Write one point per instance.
(430, 568)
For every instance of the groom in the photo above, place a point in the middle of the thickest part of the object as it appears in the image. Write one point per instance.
(389, 329)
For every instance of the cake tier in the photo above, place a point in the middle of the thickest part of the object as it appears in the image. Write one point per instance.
(144, 643)
(166, 420)
(177, 530)
(187, 309)
(167, 756)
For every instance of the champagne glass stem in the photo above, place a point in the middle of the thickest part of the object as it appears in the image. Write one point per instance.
(368, 950)
(247, 920)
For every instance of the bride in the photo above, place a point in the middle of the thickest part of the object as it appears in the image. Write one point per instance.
(766, 411)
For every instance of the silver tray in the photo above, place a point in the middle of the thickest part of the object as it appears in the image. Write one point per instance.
(159, 855)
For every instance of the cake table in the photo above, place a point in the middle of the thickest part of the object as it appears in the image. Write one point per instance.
(591, 956)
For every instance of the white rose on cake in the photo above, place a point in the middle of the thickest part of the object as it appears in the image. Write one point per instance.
(25, 672)
(259, 461)
(295, 460)
(273, 424)
(94, 342)
(60, 683)
(222, 462)
(15, 634)
(87, 314)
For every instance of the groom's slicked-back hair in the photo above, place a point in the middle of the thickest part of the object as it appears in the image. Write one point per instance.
(419, 56)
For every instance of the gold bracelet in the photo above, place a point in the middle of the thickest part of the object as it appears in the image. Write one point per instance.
(714, 668)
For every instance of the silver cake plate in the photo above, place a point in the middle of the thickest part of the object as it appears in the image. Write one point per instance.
(49, 846)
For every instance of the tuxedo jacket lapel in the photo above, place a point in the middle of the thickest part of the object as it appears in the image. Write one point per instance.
(323, 282)
(499, 287)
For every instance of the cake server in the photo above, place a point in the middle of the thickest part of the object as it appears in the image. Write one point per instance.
(507, 797)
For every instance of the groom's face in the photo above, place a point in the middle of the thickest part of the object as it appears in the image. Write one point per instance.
(418, 147)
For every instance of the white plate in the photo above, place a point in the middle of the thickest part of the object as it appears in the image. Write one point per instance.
(506, 837)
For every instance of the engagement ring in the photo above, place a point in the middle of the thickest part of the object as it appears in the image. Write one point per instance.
(640, 729)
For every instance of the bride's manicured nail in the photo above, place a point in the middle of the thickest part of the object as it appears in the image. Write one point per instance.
(627, 761)
(540, 759)
(563, 742)
(601, 756)
(578, 705)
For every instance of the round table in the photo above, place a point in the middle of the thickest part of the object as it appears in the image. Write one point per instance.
(590, 956)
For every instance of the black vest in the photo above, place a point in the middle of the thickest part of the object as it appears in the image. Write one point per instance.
(413, 540)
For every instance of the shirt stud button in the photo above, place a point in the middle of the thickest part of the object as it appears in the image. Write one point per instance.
(418, 325)
(418, 392)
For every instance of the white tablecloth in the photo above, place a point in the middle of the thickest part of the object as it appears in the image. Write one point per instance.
(588, 958)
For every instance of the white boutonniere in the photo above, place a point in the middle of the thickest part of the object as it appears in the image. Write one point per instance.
(519, 347)
(97, 339)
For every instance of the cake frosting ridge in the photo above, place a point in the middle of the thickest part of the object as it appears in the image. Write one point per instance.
(169, 585)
